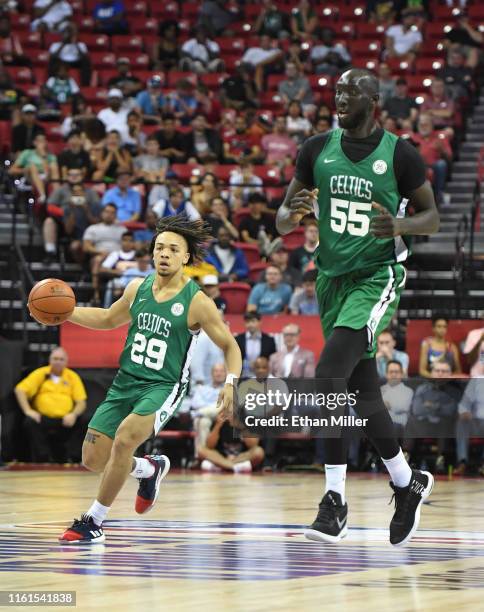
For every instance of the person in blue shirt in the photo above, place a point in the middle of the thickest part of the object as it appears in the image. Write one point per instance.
(109, 17)
(229, 261)
(271, 297)
(143, 237)
(151, 101)
(182, 103)
(127, 199)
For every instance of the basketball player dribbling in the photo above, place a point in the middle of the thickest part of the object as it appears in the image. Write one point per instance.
(362, 178)
(165, 310)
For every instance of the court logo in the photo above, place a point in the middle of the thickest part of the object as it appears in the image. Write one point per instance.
(177, 309)
(380, 166)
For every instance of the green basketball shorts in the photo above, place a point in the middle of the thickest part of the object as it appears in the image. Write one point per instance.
(364, 298)
(129, 395)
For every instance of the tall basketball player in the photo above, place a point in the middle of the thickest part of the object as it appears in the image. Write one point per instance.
(165, 311)
(362, 178)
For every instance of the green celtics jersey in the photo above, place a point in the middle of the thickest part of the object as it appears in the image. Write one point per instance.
(344, 209)
(159, 345)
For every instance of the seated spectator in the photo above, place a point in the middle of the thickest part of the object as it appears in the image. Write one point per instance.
(280, 149)
(436, 348)
(162, 191)
(240, 144)
(110, 17)
(143, 237)
(217, 15)
(208, 104)
(200, 54)
(165, 52)
(305, 302)
(386, 83)
(397, 397)
(117, 262)
(321, 126)
(172, 144)
(127, 199)
(182, 102)
(304, 21)
(272, 21)
(470, 424)
(72, 52)
(209, 284)
(295, 86)
(473, 351)
(203, 144)
(387, 352)
(254, 343)
(81, 208)
(263, 59)
(280, 258)
(112, 160)
(83, 119)
(259, 226)
(74, 157)
(381, 12)
(303, 256)
(437, 154)
(223, 452)
(401, 106)
(10, 96)
(176, 205)
(271, 297)
(204, 189)
(466, 37)
(204, 404)
(243, 182)
(457, 78)
(151, 167)
(298, 127)
(402, 40)
(37, 167)
(205, 356)
(141, 269)
(229, 261)
(53, 398)
(60, 88)
(238, 91)
(50, 15)
(125, 80)
(150, 102)
(438, 105)
(99, 240)
(219, 216)
(329, 57)
(11, 51)
(292, 361)
(134, 140)
(115, 116)
(24, 133)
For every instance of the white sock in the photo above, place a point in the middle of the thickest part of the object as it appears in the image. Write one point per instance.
(399, 470)
(98, 512)
(143, 468)
(336, 479)
(50, 247)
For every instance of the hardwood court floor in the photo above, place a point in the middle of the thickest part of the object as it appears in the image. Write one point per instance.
(234, 542)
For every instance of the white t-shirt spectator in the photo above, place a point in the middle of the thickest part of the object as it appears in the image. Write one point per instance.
(398, 399)
(403, 41)
(115, 120)
(200, 51)
(105, 238)
(120, 260)
(54, 16)
(190, 210)
(256, 55)
(70, 52)
(473, 338)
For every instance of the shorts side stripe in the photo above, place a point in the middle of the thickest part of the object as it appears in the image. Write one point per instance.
(386, 298)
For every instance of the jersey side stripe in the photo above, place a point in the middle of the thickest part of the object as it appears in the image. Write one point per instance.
(386, 298)
(400, 247)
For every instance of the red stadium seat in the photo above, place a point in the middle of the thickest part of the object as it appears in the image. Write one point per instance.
(345, 31)
(270, 176)
(126, 43)
(399, 67)
(5, 136)
(418, 83)
(84, 23)
(320, 81)
(425, 65)
(476, 11)
(20, 74)
(370, 63)
(366, 47)
(40, 58)
(96, 42)
(185, 171)
(175, 75)
(231, 45)
(432, 48)
(329, 12)
(256, 269)
(239, 214)
(103, 59)
(133, 9)
(213, 80)
(30, 40)
(20, 22)
(143, 25)
(445, 13)
(437, 30)
(295, 239)
(273, 81)
(251, 251)
(94, 95)
(370, 30)
(236, 296)
(354, 13)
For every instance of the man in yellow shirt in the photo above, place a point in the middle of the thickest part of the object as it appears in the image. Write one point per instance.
(53, 398)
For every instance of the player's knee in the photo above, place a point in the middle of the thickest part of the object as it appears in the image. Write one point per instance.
(257, 456)
(92, 461)
(126, 442)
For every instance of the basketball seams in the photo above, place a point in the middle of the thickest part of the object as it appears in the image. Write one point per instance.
(42, 297)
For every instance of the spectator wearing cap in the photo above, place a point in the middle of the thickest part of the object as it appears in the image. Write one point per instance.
(304, 302)
(229, 261)
(24, 133)
(74, 157)
(50, 15)
(202, 143)
(254, 343)
(403, 40)
(172, 144)
(176, 204)
(279, 147)
(113, 159)
(272, 296)
(182, 102)
(72, 52)
(115, 116)
(211, 288)
(125, 80)
(329, 57)
(295, 86)
(110, 17)
(126, 199)
(292, 361)
(401, 106)
(151, 167)
(200, 54)
(280, 258)
(150, 102)
(263, 59)
(438, 105)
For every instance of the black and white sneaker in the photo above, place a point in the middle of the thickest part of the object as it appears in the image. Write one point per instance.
(407, 506)
(83, 531)
(331, 523)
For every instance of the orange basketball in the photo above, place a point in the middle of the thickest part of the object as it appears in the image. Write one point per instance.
(51, 301)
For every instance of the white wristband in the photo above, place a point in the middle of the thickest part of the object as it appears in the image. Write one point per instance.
(230, 379)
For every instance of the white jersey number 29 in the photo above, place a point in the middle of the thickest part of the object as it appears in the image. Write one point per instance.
(150, 353)
(349, 216)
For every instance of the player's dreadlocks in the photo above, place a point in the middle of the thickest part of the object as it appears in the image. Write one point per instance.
(196, 233)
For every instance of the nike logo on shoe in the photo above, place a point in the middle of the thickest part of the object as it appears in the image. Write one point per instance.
(328, 161)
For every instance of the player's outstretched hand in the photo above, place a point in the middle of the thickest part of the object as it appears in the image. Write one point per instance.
(384, 224)
(303, 202)
(225, 402)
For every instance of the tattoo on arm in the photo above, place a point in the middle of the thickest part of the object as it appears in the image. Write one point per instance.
(90, 437)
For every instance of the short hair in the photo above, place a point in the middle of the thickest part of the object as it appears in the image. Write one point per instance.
(134, 113)
(272, 265)
(72, 133)
(394, 362)
(311, 222)
(168, 117)
(310, 276)
(440, 362)
(127, 234)
(438, 317)
(141, 252)
(117, 132)
(257, 198)
(196, 234)
(113, 205)
(151, 138)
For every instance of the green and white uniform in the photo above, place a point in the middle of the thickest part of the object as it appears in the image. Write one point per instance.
(153, 374)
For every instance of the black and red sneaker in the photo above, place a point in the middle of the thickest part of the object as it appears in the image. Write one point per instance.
(84, 531)
(150, 487)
